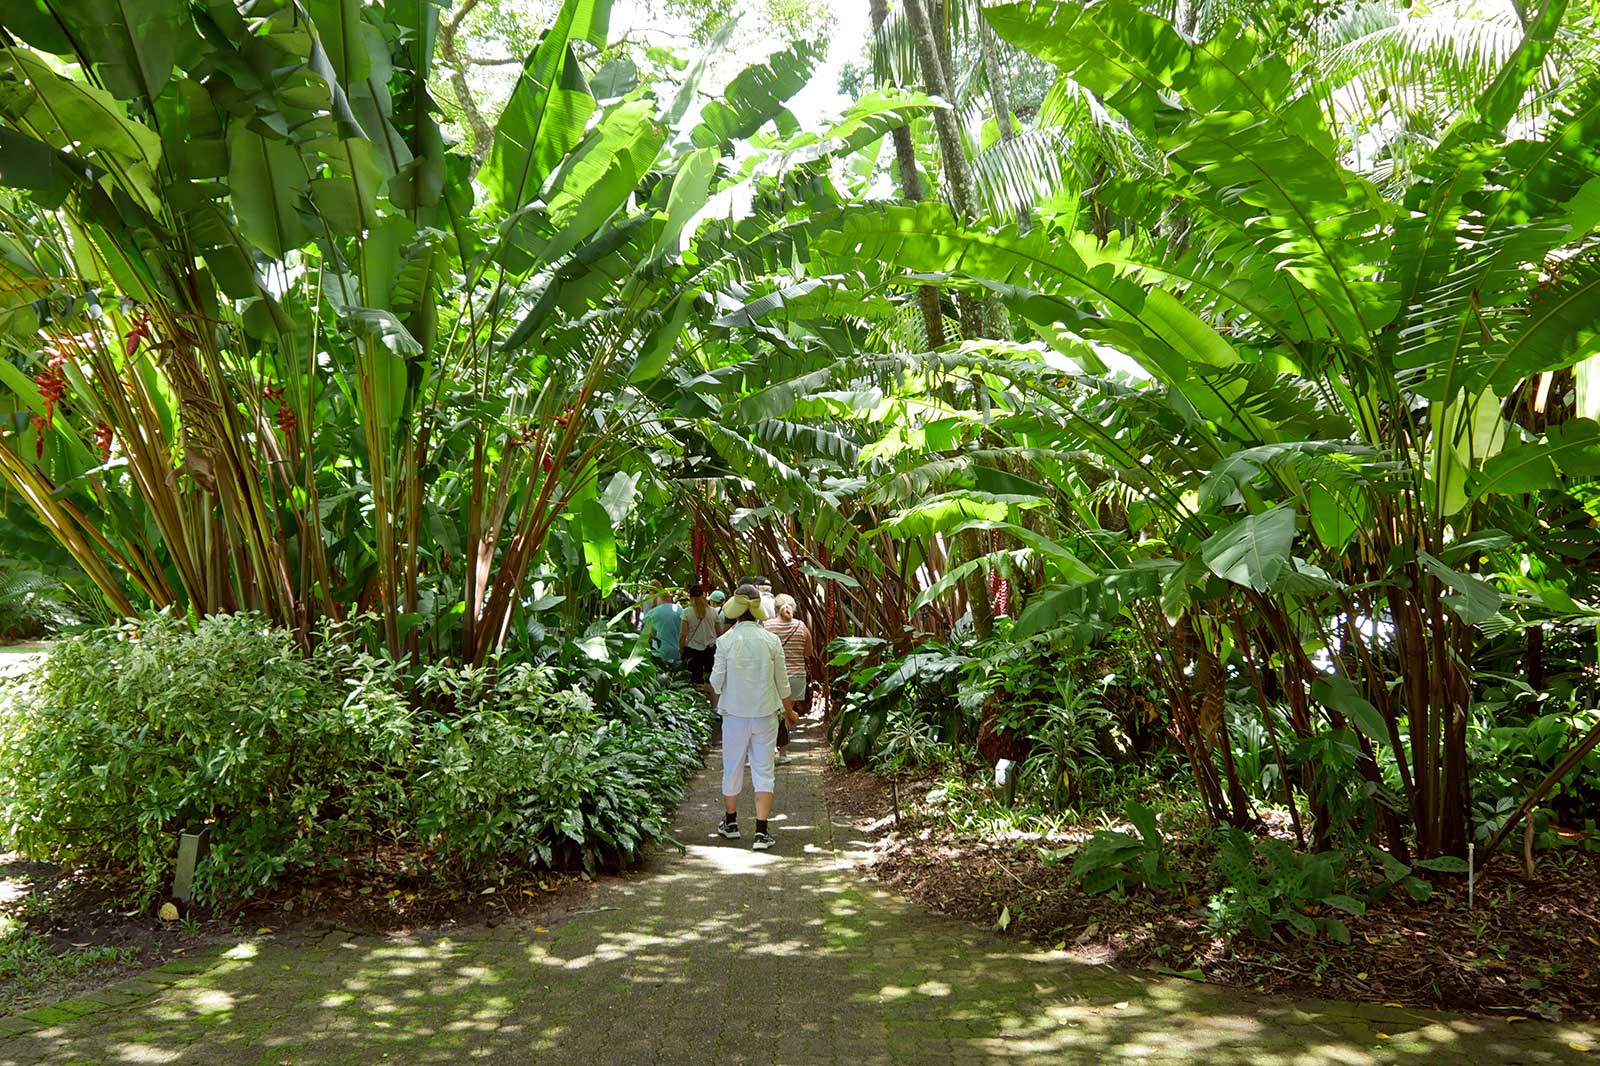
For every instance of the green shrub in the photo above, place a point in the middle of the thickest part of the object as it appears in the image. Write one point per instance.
(298, 762)
(1112, 859)
(1270, 884)
(553, 781)
(128, 736)
(32, 603)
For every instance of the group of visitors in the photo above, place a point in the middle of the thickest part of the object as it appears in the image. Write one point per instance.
(750, 652)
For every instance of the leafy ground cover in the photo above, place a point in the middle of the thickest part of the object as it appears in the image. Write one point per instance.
(334, 787)
(1528, 947)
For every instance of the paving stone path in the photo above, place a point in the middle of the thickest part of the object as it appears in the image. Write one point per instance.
(724, 955)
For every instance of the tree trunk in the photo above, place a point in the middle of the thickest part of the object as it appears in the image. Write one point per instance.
(905, 157)
(985, 318)
(1001, 98)
(482, 132)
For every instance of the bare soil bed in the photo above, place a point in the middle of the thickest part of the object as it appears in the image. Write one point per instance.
(1527, 948)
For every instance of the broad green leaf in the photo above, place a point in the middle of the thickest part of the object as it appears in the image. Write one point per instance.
(599, 545)
(1570, 449)
(49, 175)
(1116, 49)
(619, 495)
(33, 22)
(946, 511)
(657, 345)
(1255, 550)
(1102, 599)
(1443, 864)
(1335, 516)
(754, 97)
(1475, 601)
(1501, 99)
(1337, 691)
(691, 188)
(132, 45)
(548, 109)
(349, 199)
(267, 179)
(598, 177)
(1348, 904)
(823, 574)
(84, 117)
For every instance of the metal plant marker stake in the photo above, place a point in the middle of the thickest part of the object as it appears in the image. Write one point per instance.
(190, 846)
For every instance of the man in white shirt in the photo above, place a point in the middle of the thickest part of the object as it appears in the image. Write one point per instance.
(752, 686)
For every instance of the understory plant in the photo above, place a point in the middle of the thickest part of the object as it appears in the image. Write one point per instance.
(296, 763)
(1266, 883)
(1114, 859)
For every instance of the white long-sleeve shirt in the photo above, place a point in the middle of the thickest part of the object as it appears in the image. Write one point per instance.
(748, 674)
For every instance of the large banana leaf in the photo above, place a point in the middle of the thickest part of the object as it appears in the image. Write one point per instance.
(548, 110)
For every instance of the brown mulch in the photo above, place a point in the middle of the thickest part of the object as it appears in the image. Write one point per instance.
(1526, 948)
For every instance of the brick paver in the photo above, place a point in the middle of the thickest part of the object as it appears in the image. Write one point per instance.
(724, 955)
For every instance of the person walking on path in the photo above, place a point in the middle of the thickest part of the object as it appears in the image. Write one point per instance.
(662, 623)
(769, 603)
(697, 637)
(751, 682)
(796, 640)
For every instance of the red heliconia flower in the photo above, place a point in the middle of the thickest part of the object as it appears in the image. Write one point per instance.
(273, 394)
(41, 425)
(52, 383)
(102, 440)
(525, 435)
(1002, 598)
(137, 335)
(287, 420)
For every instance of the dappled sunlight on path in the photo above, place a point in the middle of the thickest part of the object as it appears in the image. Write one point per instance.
(725, 955)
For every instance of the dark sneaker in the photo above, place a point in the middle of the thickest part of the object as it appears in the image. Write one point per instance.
(763, 841)
(729, 830)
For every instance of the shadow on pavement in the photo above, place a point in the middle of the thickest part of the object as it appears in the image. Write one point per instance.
(724, 955)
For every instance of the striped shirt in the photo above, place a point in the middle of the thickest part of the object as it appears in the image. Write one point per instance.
(796, 641)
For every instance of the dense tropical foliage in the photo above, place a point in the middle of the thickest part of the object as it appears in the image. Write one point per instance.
(1114, 384)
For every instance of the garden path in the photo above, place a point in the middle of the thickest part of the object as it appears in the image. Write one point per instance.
(723, 955)
(17, 659)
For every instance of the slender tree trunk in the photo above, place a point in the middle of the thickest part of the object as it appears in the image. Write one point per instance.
(985, 318)
(482, 132)
(1001, 97)
(905, 157)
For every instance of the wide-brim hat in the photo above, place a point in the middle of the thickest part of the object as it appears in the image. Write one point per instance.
(745, 599)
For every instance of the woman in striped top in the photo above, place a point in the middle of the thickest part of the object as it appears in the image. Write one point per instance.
(796, 640)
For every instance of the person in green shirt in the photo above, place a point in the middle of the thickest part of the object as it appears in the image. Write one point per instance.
(661, 623)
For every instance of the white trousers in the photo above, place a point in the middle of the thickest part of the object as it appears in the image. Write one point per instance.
(755, 739)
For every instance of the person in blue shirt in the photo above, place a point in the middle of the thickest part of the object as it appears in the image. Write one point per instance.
(661, 623)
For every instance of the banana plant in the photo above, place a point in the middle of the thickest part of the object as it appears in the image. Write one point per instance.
(1306, 300)
(269, 346)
